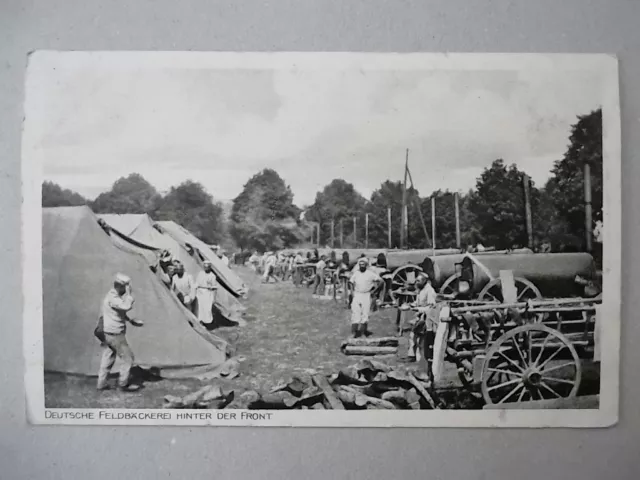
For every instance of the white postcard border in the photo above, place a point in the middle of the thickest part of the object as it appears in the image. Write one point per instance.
(32, 161)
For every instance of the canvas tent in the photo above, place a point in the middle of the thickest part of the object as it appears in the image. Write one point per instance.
(139, 228)
(79, 261)
(232, 282)
(144, 236)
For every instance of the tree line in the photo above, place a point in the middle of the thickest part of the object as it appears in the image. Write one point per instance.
(493, 213)
(263, 216)
(187, 204)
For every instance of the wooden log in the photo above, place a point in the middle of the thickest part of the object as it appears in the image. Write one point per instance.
(397, 397)
(380, 377)
(348, 376)
(330, 395)
(369, 350)
(376, 389)
(218, 403)
(317, 406)
(372, 365)
(295, 386)
(171, 401)
(275, 401)
(399, 379)
(247, 398)
(346, 397)
(422, 391)
(413, 399)
(359, 400)
(311, 396)
(214, 393)
(379, 341)
(379, 403)
(191, 399)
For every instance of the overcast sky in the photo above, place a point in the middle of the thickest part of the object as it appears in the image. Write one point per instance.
(221, 126)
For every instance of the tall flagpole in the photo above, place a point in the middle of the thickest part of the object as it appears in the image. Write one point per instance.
(419, 208)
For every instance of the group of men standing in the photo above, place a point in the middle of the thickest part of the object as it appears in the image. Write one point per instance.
(198, 295)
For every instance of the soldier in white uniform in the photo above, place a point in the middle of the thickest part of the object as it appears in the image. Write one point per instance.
(363, 281)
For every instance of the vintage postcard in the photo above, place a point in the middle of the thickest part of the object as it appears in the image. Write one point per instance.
(321, 239)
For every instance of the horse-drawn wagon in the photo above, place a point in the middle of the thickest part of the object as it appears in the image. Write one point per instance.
(510, 349)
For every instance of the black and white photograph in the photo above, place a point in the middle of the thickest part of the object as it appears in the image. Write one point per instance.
(321, 239)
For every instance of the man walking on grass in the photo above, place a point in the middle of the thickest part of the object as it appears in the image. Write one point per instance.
(115, 307)
(269, 268)
(363, 281)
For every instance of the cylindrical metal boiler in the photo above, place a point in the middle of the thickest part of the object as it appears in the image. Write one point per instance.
(554, 274)
(441, 268)
(399, 258)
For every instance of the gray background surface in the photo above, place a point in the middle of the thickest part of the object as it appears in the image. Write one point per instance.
(336, 25)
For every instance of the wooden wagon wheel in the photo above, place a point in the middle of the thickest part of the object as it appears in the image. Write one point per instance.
(518, 366)
(526, 290)
(399, 279)
(381, 293)
(450, 285)
(345, 290)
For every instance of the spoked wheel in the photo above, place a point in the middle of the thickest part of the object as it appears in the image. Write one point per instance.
(401, 279)
(380, 295)
(451, 285)
(531, 362)
(525, 290)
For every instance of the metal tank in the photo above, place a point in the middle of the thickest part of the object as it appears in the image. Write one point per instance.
(444, 267)
(400, 258)
(553, 274)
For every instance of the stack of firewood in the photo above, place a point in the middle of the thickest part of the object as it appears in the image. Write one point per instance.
(369, 384)
(366, 385)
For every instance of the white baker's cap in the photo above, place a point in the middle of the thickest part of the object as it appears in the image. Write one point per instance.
(364, 260)
(122, 279)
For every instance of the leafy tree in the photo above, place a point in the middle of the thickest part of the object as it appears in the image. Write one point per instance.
(55, 196)
(389, 195)
(263, 216)
(191, 206)
(446, 219)
(470, 233)
(338, 201)
(132, 194)
(566, 187)
(499, 208)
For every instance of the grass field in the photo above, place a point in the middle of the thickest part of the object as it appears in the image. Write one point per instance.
(287, 333)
